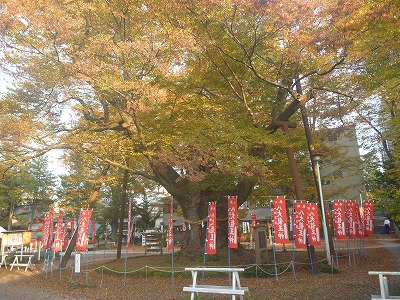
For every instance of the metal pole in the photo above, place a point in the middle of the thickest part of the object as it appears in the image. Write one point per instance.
(328, 252)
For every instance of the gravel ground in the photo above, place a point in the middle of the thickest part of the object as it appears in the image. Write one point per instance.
(352, 282)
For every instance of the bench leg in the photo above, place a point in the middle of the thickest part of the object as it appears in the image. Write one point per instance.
(3, 262)
(194, 276)
(236, 284)
(14, 262)
(382, 286)
(29, 264)
(385, 284)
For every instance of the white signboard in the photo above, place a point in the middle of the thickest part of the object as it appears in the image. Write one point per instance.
(77, 263)
(13, 239)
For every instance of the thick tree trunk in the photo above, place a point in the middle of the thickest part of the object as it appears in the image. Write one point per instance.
(195, 214)
(194, 203)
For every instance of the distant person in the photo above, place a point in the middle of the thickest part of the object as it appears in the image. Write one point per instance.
(387, 225)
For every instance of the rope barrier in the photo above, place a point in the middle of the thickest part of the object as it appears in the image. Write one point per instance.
(261, 267)
(273, 274)
(165, 269)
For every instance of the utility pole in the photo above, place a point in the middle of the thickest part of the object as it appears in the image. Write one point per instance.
(122, 213)
(316, 158)
(311, 151)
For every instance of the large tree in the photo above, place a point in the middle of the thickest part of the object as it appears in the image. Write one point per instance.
(179, 92)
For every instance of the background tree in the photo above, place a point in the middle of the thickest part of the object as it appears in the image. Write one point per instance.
(40, 187)
(31, 185)
(146, 214)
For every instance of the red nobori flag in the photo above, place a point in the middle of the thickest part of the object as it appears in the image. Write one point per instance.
(300, 224)
(339, 219)
(368, 217)
(45, 232)
(64, 235)
(211, 247)
(171, 225)
(313, 224)
(279, 219)
(232, 222)
(51, 216)
(359, 222)
(81, 242)
(58, 238)
(253, 222)
(351, 219)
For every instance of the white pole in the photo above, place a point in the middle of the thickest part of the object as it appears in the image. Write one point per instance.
(328, 253)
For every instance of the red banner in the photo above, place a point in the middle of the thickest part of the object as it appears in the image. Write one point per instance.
(64, 235)
(300, 224)
(81, 242)
(339, 219)
(72, 225)
(171, 225)
(253, 222)
(351, 219)
(359, 222)
(211, 247)
(232, 222)
(51, 216)
(279, 220)
(58, 238)
(313, 224)
(45, 232)
(368, 217)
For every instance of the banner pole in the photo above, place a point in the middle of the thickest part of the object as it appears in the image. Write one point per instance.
(45, 258)
(105, 238)
(61, 252)
(205, 246)
(273, 242)
(126, 261)
(229, 246)
(309, 251)
(347, 232)
(229, 256)
(61, 256)
(53, 257)
(87, 266)
(128, 237)
(293, 254)
(172, 242)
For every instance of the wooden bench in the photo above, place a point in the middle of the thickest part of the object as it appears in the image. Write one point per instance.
(18, 261)
(233, 289)
(383, 285)
(3, 260)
